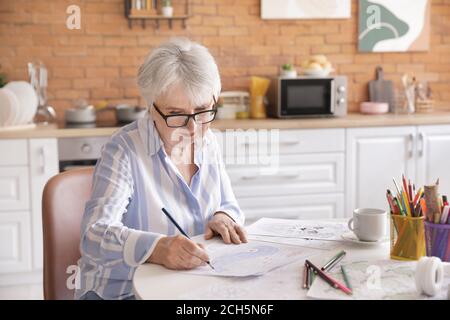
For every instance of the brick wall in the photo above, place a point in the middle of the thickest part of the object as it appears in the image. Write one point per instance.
(100, 61)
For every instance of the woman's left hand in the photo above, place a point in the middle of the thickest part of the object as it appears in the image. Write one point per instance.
(222, 224)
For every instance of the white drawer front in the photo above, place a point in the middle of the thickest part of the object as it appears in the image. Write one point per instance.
(15, 253)
(14, 193)
(13, 152)
(323, 206)
(247, 143)
(296, 174)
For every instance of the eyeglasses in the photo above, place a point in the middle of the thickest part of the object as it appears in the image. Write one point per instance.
(181, 120)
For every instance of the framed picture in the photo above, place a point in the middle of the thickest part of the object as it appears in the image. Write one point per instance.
(394, 26)
(306, 9)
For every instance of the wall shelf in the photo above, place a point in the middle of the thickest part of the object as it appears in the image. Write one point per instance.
(143, 16)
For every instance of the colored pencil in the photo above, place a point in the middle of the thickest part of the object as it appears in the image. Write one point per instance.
(333, 261)
(181, 230)
(332, 282)
(305, 277)
(346, 279)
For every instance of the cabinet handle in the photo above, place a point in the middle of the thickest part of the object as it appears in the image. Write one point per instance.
(411, 145)
(44, 155)
(287, 143)
(421, 144)
(290, 143)
(262, 175)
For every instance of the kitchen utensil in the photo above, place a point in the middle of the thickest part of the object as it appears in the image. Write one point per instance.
(126, 113)
(381, 90)
(38, 78)
(82, 112)
(374, 107)
(27, 98)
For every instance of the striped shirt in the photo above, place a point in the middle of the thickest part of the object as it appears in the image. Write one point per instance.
(133, 179)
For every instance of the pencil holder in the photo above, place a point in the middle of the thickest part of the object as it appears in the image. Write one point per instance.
(437, 238)
(407, 237)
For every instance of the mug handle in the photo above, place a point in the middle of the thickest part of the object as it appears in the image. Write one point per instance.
(350, 224)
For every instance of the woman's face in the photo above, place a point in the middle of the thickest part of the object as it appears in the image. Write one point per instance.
(174, 101)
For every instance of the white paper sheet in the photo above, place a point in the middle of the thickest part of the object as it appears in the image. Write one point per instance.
(307, 243)
(248, 259)
(373, 280)
(299, 229)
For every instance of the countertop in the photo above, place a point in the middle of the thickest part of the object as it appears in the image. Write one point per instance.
(353, 120)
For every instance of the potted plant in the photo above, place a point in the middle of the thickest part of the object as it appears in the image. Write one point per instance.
(167, 9)
(288, 71)
(2, 79)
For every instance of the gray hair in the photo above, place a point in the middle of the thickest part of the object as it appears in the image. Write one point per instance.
(180, 61)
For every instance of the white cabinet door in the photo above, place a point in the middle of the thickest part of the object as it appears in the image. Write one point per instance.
(15, 241)
(433, 155)
(374, 157)
(315, 206)
(14, 191)
(43, 165)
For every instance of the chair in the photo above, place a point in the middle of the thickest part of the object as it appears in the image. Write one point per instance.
(63, 203)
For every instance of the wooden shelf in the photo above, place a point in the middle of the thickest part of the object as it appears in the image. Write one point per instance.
(144, 16)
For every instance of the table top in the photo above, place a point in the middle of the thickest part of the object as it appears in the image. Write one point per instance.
(156, 282)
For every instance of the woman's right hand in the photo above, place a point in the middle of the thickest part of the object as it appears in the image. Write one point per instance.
(178, 253)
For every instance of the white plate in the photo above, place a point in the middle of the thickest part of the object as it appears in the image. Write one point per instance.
(351, 237)
(10, 106)
(27, 98)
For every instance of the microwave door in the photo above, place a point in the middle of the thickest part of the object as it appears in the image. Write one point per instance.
(306, 97)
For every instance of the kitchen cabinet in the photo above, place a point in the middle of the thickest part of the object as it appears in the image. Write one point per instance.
(374, 157)
(25, 167)
(433, 156)
(294, 174)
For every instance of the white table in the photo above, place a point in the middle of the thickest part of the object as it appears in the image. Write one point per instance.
(156, 282)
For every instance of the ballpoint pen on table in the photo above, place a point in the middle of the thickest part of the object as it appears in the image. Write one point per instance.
(181, 230)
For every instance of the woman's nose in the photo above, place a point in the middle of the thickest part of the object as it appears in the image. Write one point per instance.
(192, 126)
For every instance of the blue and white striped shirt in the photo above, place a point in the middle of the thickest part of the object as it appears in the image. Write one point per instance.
(133, 180)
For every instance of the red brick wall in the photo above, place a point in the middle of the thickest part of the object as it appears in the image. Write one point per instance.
(100, 61)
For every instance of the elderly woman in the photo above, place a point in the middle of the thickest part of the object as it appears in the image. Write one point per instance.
(168, 160)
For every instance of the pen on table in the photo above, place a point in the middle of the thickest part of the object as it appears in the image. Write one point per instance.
(181, 230)
(346, 279)
(333, 261)
(332, 282)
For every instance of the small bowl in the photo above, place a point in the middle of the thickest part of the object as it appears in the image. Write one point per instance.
(374, 107)
(317, 72)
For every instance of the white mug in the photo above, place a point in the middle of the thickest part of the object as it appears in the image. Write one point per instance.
(368, 224)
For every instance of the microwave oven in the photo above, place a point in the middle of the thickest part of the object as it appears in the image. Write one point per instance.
(307, 97)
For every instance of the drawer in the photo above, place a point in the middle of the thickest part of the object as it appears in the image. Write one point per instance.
(246, 143)
(81, 148)
(320, 206)
(291, 174)
(14, 190)
(15, 243)
(14, 152)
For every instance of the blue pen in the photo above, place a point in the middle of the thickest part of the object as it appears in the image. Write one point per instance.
(181, 230)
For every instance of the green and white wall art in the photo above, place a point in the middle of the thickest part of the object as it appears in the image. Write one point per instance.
(394, 25)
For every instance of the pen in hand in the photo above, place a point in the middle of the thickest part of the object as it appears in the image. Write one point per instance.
(181, 230)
